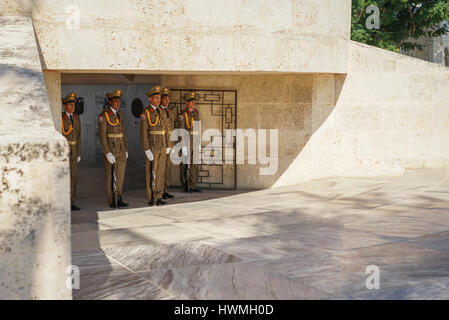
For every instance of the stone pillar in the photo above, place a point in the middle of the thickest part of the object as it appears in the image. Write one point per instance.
(34, 174)
(53, 85)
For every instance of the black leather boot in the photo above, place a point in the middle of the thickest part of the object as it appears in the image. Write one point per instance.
(160, 202)
(167, 196)
(74, 208)
(121, 203)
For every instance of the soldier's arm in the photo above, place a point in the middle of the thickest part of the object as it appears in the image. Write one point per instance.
(125, 140)
(144, 132)
(167, 133)
(171, 127)
(78, 143)
(185, 135)
(102, 126)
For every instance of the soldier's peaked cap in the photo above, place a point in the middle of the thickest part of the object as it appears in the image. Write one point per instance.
(165, 92)
(117, 93)
(154, 90)
(71, 97)
(190, 96)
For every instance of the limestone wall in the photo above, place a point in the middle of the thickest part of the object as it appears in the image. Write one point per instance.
(392, 114)
(190, 35)
(53, 86)
(295, 105)
(34, 188)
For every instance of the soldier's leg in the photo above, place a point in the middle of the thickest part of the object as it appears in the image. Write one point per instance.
(183, 175)
(107, 169)
(194, 175)
(182, 171)
(160, 174)
(120, 168)
(157, 164)
(155, 177)
(148, 179)
(167, 172)
(73, 174)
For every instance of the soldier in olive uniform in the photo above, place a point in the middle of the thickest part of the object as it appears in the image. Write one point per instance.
(71, 130)
(112, 134)
(153, 140)
(188, 117)
(168, 117)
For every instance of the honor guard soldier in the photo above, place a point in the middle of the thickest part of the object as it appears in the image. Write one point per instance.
(112, 134)
(71, 130)
(189, 170)
(153, 140)
(168, 117)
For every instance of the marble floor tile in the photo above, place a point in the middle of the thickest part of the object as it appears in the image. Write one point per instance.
(398, 225)
(424, 290)
(436, 241)
(116, 283)
(230, 281)
(151, 235)
(258, 248)
(230, 227)
(147, 257)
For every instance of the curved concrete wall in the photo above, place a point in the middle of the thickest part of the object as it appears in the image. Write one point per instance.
(392, 114)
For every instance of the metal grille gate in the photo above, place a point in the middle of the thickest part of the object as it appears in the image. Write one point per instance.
(218, 110)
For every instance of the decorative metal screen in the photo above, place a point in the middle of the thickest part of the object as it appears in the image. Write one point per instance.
(218, 110)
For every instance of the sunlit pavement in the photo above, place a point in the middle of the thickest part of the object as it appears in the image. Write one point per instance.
(309, 241)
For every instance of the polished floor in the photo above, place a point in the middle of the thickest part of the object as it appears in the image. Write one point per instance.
(309, 241)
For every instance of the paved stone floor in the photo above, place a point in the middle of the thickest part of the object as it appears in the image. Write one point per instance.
(308, 241)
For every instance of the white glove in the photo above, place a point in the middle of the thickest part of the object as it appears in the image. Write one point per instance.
(199, 148)
(167, 150)
(126, 154)
(184, 151)
(79, 159)
(149, 155)
(110, 158)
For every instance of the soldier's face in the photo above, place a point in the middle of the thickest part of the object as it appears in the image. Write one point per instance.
(69, 107)
(165, 100)
(115, 103)
(191, 104)
(155, 99)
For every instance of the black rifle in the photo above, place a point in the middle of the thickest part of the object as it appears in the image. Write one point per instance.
(114, 186)
(187, 175)
(153, 176)
(114, 177)
(152, 183)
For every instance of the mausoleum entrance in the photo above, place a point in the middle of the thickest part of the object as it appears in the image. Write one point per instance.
(218, 110)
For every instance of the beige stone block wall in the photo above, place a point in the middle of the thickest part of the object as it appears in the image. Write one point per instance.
(392, 114)
(190, 35)
(288, 103)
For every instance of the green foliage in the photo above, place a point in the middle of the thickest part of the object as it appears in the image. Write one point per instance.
(400, 21)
